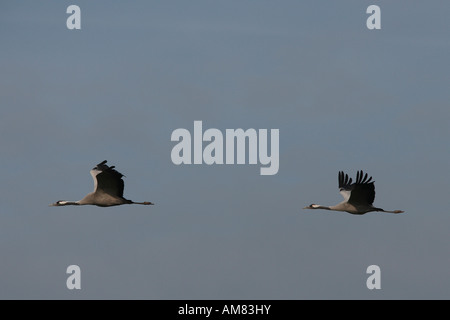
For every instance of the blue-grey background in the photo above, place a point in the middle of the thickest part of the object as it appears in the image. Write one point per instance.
(342, 96)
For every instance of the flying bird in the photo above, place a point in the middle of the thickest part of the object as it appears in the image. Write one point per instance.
(108, 189)
(358, 196)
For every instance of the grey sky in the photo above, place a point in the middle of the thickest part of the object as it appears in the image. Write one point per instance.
(343, 98)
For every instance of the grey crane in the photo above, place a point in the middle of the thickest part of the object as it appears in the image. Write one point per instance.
(358, 196)
(108, 189)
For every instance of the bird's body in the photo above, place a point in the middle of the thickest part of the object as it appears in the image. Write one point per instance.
(108, 189)
(358, 196)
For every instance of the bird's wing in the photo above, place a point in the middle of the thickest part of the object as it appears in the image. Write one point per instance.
(107, 179)
(363, 190)
(345, 194)
(345, 185)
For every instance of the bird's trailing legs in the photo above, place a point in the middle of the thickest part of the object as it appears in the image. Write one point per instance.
(146, 203)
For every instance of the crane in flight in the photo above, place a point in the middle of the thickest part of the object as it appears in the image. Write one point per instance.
(108, 189)
(358, 196)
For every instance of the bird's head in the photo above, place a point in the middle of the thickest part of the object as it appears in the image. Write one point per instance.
(62, 203)
(312, 206)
